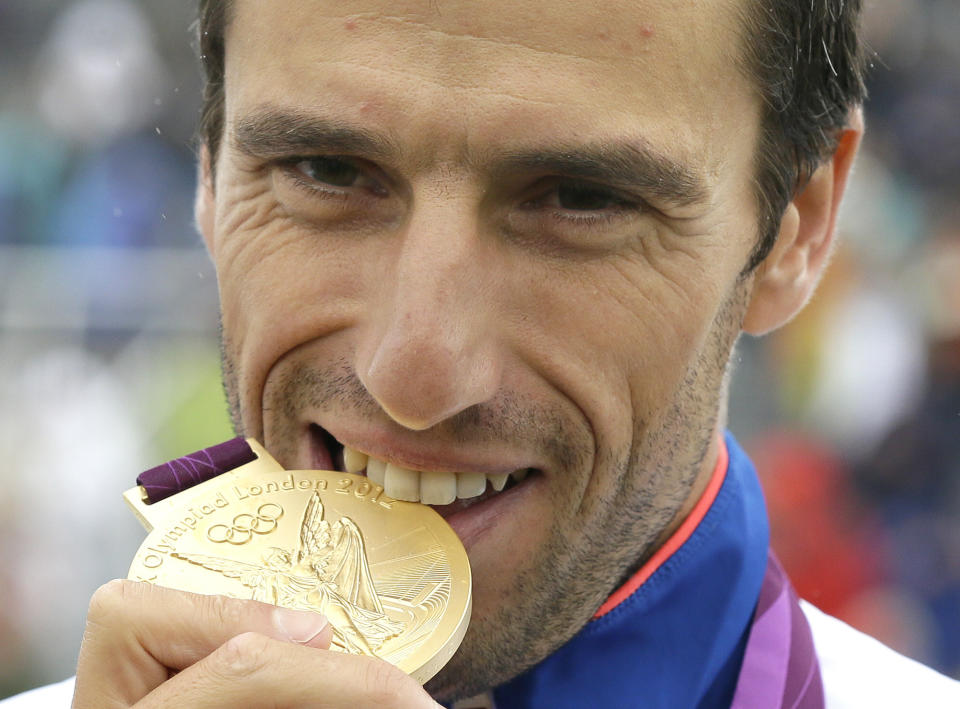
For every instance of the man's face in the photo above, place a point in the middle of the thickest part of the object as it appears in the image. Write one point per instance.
(485, 237)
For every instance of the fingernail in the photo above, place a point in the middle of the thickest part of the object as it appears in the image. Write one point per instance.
(299, 626)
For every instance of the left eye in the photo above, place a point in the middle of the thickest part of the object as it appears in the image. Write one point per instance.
(334, 171)
(582, 197)
(578, 198)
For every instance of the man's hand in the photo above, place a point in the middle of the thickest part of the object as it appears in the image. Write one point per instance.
(148, 646)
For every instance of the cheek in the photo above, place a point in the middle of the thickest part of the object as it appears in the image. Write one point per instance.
(670, 291)
(652, 310)
(621, 334)
(281, 286)
(517, 543)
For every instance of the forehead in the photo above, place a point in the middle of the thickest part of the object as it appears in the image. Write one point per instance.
(498, 70)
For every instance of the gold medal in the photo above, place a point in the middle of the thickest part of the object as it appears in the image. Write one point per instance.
(392, 577)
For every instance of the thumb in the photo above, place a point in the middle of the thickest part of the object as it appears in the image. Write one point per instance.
(302, 627)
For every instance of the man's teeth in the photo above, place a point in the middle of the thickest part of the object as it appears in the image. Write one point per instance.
(471, 485)
(376, 471)
(353, 461)
(402, 483)
(437, 488)
(428, 487)
(499, 481)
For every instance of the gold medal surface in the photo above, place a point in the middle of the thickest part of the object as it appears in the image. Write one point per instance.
(392, 577)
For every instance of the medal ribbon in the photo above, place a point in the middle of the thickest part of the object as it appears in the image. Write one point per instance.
(178, 475)
(780, 668)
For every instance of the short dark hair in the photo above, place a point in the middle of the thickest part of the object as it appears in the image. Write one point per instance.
(804, 56)
(211, 27)
(807, 60)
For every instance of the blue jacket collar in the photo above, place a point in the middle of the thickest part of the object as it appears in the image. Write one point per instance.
(677, 641)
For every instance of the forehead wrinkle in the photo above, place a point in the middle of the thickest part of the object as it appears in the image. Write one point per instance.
(444, 84)
(489, 41)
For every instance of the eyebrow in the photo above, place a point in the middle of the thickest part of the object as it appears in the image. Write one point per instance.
(632, 165)
(274, 133)
(271, 133)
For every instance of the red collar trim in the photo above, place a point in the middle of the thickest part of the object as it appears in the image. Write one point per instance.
(677, 539)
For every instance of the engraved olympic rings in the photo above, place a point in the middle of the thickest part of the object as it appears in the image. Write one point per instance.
(245, 525)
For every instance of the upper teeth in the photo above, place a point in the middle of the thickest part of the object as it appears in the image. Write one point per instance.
(428, 487)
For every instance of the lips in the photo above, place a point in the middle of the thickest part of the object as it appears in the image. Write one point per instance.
(448, 492)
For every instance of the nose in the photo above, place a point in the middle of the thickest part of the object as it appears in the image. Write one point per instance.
(430, 350)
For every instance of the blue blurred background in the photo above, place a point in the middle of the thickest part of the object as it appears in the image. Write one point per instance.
(108, 331)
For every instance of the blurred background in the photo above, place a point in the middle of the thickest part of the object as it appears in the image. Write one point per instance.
(109, 359)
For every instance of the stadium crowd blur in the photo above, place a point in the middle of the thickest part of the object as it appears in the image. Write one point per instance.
(108, 331)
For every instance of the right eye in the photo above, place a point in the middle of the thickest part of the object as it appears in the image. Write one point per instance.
(334, 174)
(335, 171)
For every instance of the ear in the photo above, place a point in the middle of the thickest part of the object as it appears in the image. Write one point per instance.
(786, 279)
(204, 207)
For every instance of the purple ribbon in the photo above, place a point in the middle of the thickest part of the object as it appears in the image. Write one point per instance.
(178, 475)
(780, 668)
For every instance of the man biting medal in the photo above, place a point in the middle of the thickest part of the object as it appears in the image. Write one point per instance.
(494, 257)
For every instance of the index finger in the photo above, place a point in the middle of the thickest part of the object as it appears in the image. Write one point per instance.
(138, 633)
(256, 672)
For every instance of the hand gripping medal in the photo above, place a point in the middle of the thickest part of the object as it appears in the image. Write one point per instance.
(392, 577)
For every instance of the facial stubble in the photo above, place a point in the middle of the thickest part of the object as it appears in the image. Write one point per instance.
(587, 556)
